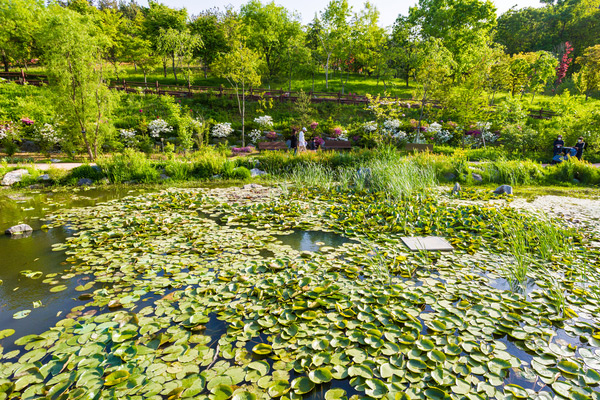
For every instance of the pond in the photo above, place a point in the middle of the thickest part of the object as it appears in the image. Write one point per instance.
(250, 294)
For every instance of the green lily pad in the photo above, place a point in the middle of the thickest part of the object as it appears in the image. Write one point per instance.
(320, 375)
(302, 385)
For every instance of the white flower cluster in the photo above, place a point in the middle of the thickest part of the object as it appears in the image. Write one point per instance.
(400, 135)
(265, 121)
(443, 136)
(221, 130)
(486, 134)
(254, 135)
(196, 125)
(7, 130)
(128, 136)
(370, 126)
(392, 124)
(48, 134)
(158, 127)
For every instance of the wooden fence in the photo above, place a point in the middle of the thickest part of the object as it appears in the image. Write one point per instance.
(253, 94)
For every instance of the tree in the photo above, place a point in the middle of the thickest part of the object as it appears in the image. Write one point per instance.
(434, 66)
(239, 66)
(180, 45)
(137, 48)
(114, 28)
(73, 54)
(403, 45)
(459, 24)
(588, 79)
(158, 19)
(272, 32)
(209, 26)
(332, 31)
(19, 25)
(543, 70)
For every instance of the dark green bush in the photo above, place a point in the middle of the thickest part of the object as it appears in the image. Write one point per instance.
(241, 173)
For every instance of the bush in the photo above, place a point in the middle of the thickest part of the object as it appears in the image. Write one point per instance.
(571, 169)
(128, 166)
(179, 170)
(241, 173)
(207, 163)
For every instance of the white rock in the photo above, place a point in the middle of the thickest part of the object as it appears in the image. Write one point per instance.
(257, 172)
(18, 229)
(13, 177)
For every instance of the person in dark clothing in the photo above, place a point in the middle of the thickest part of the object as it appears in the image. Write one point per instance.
(557, 145)
(294, 142)
(580, 145)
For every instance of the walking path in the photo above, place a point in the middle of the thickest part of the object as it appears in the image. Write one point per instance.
(47, 166)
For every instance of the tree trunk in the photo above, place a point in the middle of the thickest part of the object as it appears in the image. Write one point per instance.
(327, 72)
(313, 82)
(243, 113)
(135, 67)
(407, 77)
(145, 78)
(205, 71)
(164, 67)
(174, 71)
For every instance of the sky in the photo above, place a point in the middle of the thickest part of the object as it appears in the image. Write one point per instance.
(389, 9)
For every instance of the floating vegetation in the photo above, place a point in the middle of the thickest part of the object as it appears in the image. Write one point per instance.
(195, 296)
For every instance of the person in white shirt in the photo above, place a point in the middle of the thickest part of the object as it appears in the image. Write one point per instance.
(301, 141)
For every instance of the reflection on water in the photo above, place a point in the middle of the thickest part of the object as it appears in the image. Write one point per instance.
(312, 240)
(34, 253)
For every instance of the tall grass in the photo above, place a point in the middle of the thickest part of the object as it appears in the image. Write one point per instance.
(128, 166)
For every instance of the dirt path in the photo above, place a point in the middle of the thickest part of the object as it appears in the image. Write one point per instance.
(47, 166)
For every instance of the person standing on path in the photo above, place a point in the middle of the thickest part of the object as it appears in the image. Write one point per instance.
(580, 145)
(301, 141)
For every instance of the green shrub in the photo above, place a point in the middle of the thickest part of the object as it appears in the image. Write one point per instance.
(179, 170)
(207, 162)
(85, 171)
(241, 173)
(571, 169)
(128, 166)
(227, 169)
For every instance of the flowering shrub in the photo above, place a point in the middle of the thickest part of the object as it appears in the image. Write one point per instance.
(314, 126)
(221, 130)
(7, 131)
(264, 122)
(392, 125)
(27, 121)
(319, 141)
(370, 126)
(400, 135)
(238, 150)
(254, 135)
(158, 127)
(128, 137)
(271, 135)
(438, 134)
(47, 134)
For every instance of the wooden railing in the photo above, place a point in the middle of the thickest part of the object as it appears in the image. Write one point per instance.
(253, 94)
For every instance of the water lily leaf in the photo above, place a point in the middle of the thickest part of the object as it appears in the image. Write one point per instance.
(58, 288)
(320, 375)
(116, 377)
(262, 367)
(222, 392)
(360, 370)
(568, 367)
(302, 385)
(83, 288)
(461, 387)
(375, 388)
(435, 394)
(335, 394)
(279, 388)
(244, 395)
(416, 366)
(21, 314)
(195, 387)
(516, 390)
(262, 349)
(6, 333)
(591, 377)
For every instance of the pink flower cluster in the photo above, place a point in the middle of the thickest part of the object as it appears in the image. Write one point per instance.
(27, 121)
(247, 149)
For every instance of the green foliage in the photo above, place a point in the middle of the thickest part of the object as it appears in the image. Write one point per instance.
(83, 171)
(128, 166)
(179, 170)
(241, 173)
